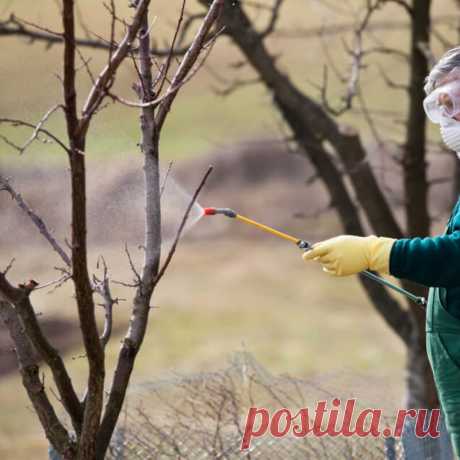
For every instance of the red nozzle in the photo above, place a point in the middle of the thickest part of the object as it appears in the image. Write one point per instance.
(209, 211)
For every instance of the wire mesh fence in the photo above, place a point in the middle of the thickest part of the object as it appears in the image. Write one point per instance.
(203, 417)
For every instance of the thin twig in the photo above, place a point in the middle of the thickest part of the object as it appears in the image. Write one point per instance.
(165, 180)
(56, 283)
(13, 27)
(15, 122)
(182, 226)
(39, 125)
(167, 64)
(102, 287)
(133, 267)
(275, 10)
(8, 267)
(36, 219)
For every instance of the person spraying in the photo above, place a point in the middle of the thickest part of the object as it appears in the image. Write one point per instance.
(430, 261)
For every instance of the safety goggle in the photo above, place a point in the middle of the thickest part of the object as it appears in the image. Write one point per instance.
(443, 102)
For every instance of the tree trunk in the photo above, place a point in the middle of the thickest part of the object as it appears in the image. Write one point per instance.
(414, 166)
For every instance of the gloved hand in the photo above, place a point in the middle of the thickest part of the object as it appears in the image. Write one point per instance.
(347, 254)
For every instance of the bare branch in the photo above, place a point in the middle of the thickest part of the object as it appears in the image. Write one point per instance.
(165, 180)
(9, 266)
(324, 98)
(156, 102)
(102, 287)
(85, 65)
(167, 64)
(405, 5)
(388, 51)
(18, 22)
(181, 226)
(390, 83)
(133, 267)
(19, 297)
(275, 10)
(113, 16)
(55, 283)
(36, 219)
(341, 29)
(29, 369)
(188, 61)
(236, 85)
(106, 77)
(368, 117)
(15, 122)
(39, 125)
(357, 55)
(187, 24)
(13, 27)
(70, 94)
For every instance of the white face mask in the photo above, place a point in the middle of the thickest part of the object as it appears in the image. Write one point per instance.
(450, 133)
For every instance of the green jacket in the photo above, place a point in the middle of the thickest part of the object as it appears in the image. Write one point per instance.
(432, 261)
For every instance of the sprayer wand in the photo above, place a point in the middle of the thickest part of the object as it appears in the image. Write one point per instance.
(306, 246)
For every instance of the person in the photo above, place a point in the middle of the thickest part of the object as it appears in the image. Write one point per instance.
(430, 261)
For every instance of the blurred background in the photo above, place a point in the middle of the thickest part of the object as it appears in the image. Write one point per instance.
(229, 288)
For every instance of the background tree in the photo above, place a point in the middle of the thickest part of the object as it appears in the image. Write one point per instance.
(340, 157)
(92, 421)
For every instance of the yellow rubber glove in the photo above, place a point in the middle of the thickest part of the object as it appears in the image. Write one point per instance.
(347, 254)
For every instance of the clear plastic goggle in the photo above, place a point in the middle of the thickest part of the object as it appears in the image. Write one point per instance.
(443, 102)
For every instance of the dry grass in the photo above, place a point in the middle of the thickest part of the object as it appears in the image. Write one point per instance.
(222, 296)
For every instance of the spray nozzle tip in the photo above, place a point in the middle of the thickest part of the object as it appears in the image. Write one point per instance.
(224, 211)
(209, 211)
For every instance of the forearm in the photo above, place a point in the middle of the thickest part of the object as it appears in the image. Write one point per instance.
(431, 261)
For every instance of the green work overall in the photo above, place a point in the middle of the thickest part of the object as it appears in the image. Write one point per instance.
(435, 261)
(443, 349)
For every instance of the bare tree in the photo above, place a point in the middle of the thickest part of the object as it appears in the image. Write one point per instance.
(349, 179)
(92, 421)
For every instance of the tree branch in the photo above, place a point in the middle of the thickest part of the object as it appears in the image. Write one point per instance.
(83, 288)
(188, 60)
(275, 10)
(102, 287)
(15, 27)
(20, 149)
(181, 227)
(36, 219)
(106, 77)
(19, 297)
(29, 369)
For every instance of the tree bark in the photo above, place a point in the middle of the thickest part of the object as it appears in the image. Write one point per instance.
(55, 432)
(420, 383)
(80, 275)
(414, 165)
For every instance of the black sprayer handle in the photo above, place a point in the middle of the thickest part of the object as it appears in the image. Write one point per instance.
(306, 246)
